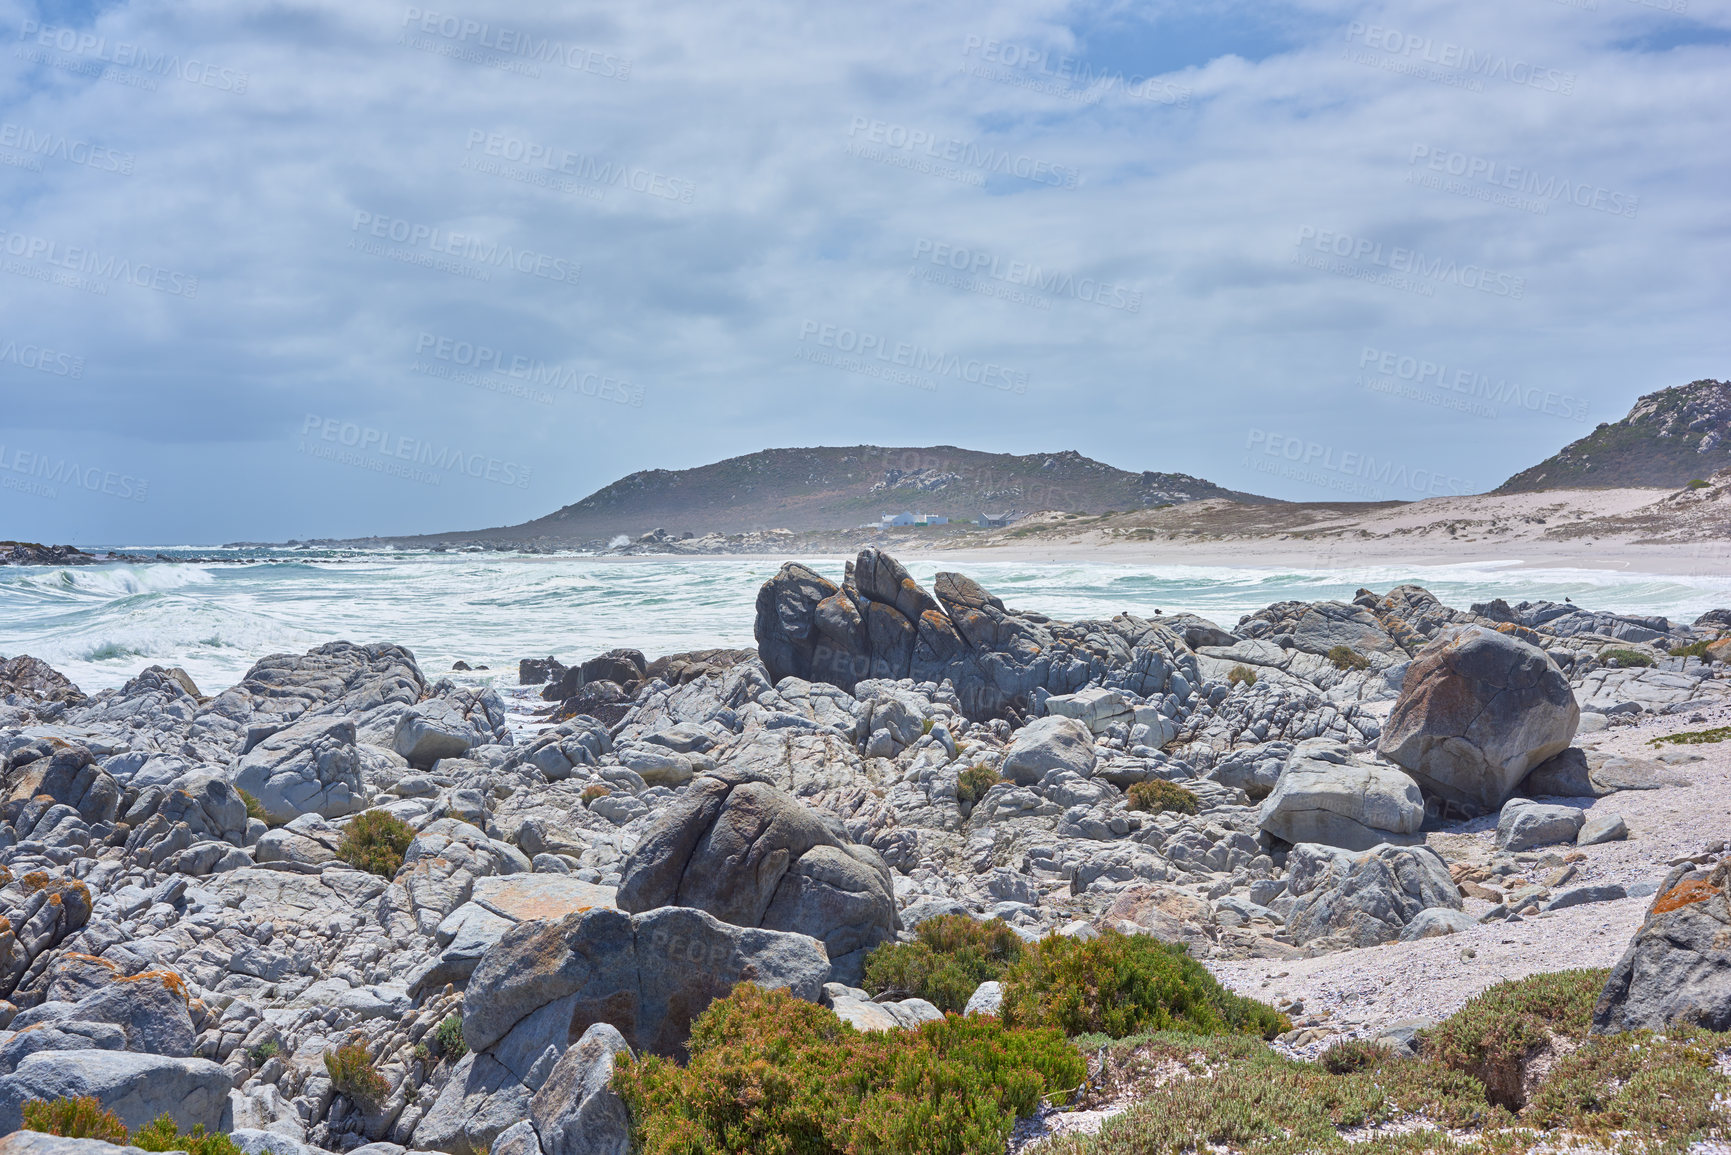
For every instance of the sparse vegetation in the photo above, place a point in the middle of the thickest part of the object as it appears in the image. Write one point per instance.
(1241, 676)
(1494, 1035)
(972, 784)
(449, 1036)
(593, 791)
(375, 842)
(952, 955)
(1696, 483)
(1695, 649)
(163, 1134)
(1626, 657)
(772, 1073)
(263, 1052)
(77, 1118)
(254, 808)
(1693, 737)
(1119, 984)
(353, 1075)
(1346, 658)
(1349, 1055)
(1157, 796)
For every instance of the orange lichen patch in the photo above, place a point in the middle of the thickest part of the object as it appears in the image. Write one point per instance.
(5, 876)
(80, 956)
(168, 979)
(1684, 893)
(35, 881)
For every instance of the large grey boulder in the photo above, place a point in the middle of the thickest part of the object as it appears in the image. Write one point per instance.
(1523, 824)
(1326, 795)
(1477, 711)
(1677, 968)
(480, 1100)
(65, 774)
(1047, 744)
(308, 767)
(755, 856)
(1366, 898)
(147, 1009)
(648, 975)
(41, 1143)
(576, 1112)
(449, 725)
(136, 1087)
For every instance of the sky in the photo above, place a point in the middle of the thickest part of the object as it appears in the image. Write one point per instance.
(295, 270)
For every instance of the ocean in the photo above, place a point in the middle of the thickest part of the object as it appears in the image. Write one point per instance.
(100, 625)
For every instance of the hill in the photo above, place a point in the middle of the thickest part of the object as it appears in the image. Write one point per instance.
(840, 488)
(1668, 439)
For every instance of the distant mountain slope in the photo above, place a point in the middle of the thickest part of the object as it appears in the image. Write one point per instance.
(1668, 439)
(839, 488)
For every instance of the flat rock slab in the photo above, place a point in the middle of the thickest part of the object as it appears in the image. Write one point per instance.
(536, 897)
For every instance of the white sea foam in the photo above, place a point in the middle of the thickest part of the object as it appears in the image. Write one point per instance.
(100, 625)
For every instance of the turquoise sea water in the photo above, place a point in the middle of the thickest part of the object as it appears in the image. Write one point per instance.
(102, 624)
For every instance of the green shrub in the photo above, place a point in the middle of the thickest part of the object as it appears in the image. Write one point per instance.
(254, 808)
(1120, 984)
(449, 1035)
(1241, 675)
(1651, 1085)
(261, 1053)
(375, 842)
(972, 784)
(1347, 658)
(1156, 796)
(164, 1135)
(1696, 483)
(1693, 737)
(1349, 1055)
(1498, 1030)
(772, 1073)
(953, 955)
(1694, 649)
(1626, 657)
(80, 1118)
(353, 1074)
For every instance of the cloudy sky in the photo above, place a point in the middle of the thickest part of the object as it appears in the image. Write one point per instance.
(297, 269)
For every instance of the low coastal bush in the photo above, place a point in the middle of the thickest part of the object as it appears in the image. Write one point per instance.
(449, 1035)
(1349, 1055)
(1120, 984)
(1497, 1031)
(75, 1118)
(353, 1074)
(1696, 483)
(254, 808)
(1241, 675)
(1693, 737)
(1626, 657)
(1695, 649)
(769, 1072)
(1347, 658)
(84, 1118)
(951, 956)
(1156, 796)
(164, 1135)
(972, 784)
(375, 842)
(593, 791)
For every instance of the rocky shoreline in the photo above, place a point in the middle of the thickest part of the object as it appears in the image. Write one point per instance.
(1321, 801)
